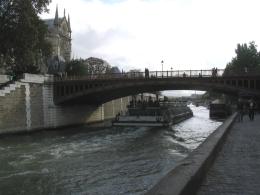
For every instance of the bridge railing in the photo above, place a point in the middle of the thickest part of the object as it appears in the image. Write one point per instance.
(148, 75)
(186, 73)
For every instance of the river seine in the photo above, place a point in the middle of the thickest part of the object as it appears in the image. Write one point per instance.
(109, 161)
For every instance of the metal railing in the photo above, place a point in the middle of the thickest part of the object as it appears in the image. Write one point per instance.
(147, 75)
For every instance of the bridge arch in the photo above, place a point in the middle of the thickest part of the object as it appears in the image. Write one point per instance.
(101, 90)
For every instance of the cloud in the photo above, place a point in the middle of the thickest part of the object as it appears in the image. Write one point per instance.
(186, 34)
(91, 42)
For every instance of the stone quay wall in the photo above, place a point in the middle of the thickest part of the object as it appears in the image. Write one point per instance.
(27, 105)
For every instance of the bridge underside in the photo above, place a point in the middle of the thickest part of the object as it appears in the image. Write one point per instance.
(83, 92)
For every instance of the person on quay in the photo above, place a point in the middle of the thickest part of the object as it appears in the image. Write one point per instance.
(251, 110)
(240, 109)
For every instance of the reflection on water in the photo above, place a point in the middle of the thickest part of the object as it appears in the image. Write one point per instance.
(110, 161)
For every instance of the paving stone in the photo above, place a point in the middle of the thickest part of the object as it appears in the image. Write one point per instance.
(236, 170)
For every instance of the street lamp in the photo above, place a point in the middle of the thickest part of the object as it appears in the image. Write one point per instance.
(162, 65)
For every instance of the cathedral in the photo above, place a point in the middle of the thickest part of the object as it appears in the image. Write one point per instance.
(59, 35)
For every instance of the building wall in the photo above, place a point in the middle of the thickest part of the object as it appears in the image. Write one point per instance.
(29, 106)
(60, 39)
(54, 40)
(12, 111)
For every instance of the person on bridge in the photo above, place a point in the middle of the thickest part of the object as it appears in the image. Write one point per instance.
(146, 72)
(214, 72)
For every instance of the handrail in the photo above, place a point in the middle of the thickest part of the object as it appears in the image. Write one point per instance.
(152, 75)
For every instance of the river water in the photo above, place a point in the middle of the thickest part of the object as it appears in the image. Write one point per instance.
(109, 161)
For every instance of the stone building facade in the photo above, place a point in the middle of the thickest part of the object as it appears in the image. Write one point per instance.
(59, 35)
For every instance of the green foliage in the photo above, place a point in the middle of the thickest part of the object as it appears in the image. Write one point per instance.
(247, 60)
(22, 35)
(97, 66)
(81, 67)
(76, 68)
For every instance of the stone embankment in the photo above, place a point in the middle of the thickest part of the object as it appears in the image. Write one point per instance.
(27, 105)
(188, 174)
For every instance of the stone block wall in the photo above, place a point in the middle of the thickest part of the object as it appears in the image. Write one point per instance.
(30, 107)
(36, 105)
(109, 110)
(4, 78)
(13, 111)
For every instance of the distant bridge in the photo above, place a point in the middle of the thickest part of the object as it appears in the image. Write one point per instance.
(100, 88)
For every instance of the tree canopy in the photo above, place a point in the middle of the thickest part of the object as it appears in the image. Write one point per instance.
(247, 59)
(76, 68)
(23, 35)
(91, 65)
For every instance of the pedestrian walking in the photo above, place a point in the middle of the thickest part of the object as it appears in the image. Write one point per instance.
(251, 110)
(240, 109)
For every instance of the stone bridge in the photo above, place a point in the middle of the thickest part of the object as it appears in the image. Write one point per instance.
(101, 88)
(43, 101)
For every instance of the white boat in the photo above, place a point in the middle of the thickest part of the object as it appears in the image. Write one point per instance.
(160, 116)
(148, 121)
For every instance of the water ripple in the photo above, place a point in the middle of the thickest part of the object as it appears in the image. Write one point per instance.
(109, 161)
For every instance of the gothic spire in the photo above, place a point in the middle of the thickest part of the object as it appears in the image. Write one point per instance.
(69, 23)
(64, 13)
(56, 19)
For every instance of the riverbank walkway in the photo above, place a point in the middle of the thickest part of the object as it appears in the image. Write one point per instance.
(236, 169)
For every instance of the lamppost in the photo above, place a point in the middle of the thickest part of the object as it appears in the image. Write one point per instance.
(162, 65)
(171, 71)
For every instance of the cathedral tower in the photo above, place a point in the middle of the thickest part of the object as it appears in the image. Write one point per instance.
(59, 35)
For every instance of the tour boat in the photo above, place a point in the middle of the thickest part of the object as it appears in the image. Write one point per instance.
(157, 115)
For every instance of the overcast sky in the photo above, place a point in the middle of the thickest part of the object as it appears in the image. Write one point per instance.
(185, 34)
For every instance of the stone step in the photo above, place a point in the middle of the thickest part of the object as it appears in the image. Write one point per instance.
(9, 88)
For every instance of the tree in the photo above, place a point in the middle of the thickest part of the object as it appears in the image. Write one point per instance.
(97, 65)
(22, 35)
(247, 59)
(76, 67)
(81, 67)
